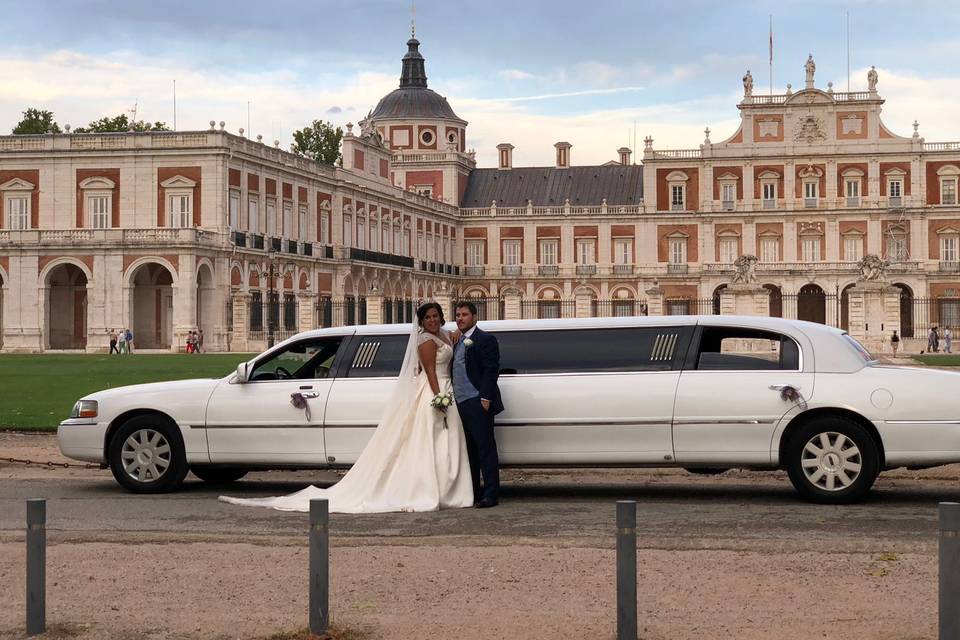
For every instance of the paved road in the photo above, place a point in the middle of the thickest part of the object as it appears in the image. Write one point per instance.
(738, 510)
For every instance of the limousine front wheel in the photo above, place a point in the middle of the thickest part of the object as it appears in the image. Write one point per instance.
(146, 455)
(832, 460)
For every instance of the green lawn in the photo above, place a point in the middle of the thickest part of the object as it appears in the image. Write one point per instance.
(939, 359)
(38, 391)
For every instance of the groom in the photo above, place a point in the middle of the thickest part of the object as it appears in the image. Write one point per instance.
(476, 365)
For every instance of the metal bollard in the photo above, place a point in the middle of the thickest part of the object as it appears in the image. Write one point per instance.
(319, 567)
(626, 570)
(36, 566)
(949, 571)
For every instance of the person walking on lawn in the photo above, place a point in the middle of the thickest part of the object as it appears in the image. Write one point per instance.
(113, 342)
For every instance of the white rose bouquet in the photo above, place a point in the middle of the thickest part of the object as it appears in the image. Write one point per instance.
(441, 402)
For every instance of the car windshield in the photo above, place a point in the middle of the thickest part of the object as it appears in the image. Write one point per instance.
(859, 348)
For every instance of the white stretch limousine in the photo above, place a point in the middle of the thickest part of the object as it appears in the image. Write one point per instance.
(705, 393)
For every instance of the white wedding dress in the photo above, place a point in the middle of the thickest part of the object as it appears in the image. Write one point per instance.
(412, 462)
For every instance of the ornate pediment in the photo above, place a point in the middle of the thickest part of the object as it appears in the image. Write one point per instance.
(810, 229)
(811, 171)
(17, 184)
(810, 129)
(178, 182)
(97, 182)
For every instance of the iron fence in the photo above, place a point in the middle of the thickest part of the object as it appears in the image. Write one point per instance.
(919, 315)
(618, 308)
(691, 306)
(276, 313)
(546, 309)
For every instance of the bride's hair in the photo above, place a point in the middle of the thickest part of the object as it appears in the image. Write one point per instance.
(424, 308)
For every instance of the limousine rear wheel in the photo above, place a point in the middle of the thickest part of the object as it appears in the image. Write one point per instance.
(146, 455)
(832, 460)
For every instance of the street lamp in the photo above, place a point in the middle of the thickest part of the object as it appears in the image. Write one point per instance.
(270, 294)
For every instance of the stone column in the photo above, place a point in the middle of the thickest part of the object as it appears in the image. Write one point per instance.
(375, 307)
(873, 314)
(241, 322)
(444, 298)
(307, 310)
(584, 304)
(511, 305)
(654, 301)
(745, 300)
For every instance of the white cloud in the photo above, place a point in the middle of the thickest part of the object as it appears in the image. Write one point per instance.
(515, 74)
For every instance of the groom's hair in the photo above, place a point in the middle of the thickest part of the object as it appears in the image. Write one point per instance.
(425, 307)
(468, 305)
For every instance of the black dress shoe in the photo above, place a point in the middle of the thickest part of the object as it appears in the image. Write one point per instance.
(486, 503)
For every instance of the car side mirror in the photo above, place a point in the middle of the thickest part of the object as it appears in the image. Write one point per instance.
(243, 372)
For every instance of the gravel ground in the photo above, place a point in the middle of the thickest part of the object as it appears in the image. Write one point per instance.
(439, 580)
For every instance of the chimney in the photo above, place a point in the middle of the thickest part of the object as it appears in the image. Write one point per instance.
(563, 154)
(624, 155)
(505, 150)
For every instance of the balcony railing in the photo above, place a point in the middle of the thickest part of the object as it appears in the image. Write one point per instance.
(511, 270)
(586, 269)
(256, 241)
(380, 258)
(240, 239)
(276, 244)
(729, 205)
(308, 248)
(548, 269)
(810, 203)
(678, 269)
(853, 201)
(474, 271)
(895, 201)
(291, 246)
(677, 206)
(623, 269)
(143, 237)
(769, 203)
(949, 266)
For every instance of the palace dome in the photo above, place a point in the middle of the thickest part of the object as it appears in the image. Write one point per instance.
(413, 100)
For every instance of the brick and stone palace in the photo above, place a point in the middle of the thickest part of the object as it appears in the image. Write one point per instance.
(811, 209)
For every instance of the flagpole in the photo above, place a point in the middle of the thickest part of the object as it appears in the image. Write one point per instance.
(771, 54)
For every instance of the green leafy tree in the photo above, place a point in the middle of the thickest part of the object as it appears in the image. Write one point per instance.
(36, 121)
(118, 124)
(319, 141)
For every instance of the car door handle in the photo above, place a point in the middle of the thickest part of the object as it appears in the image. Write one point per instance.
(310, 394)
(781, 387)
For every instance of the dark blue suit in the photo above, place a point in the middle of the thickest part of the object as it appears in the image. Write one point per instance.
(482, 364)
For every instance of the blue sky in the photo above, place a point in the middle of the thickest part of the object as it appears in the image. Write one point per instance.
(526, 72)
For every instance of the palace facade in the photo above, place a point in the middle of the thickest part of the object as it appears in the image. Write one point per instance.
(171, 232)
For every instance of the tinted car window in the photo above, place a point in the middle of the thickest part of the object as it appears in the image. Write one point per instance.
(378, 356)
(593, 350)
(300, 360)
(735, 349)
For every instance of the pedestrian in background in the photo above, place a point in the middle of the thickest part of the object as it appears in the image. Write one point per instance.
(129, 336)
(931, 342)
(113, 342)
(200, 341)
(947, 340)
(895, 343)
(122, 341)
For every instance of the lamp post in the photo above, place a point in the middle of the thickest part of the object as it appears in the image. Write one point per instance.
(270, 294)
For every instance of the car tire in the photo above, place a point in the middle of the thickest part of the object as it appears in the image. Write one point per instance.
(218, 475)
(146, 455)
(832, 460)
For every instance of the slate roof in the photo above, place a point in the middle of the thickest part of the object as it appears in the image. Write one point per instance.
(413, 99)
(550, 186)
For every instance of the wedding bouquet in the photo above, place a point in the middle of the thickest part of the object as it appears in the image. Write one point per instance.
(441, 402)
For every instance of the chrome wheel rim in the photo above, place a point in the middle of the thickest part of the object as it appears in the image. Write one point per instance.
(831, 461)
(145, 455)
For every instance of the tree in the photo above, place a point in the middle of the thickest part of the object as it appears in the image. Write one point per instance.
(319, 141)
(36, 121)
(118, 124)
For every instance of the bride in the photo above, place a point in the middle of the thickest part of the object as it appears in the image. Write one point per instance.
(417, 457)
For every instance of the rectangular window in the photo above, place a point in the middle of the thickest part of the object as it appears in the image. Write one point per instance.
(677, 197)
(853, 192)
(18, 212)
(678, 251)
(374, 235)
(728, 250)
(948, 191)
(397, 240)
(474, 253)
(511, 253)
(287, 230)
(810, 249)
(302, 231)
(811, 189)
(421, 246)
(98, 209)
(769, 190)
(948, 248)
(180, 206)
(623, 251)
(896, 247)
(324, 227)
(586, 252)
(361, 234)
(734, 349)
(378, 357)
(728, 195)
(852, 248)
(271, 218)
(385, 237)
(406, 242)
(347, 231)
(548, 252)
(253, 215)
(769, 250)
(593, 350)
(895, 188)
(234, 220)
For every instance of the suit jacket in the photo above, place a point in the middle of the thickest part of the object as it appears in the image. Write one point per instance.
(482, 361)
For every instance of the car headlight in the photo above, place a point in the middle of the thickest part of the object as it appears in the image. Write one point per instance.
(84, 409)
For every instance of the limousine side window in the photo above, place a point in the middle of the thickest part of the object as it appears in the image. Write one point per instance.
(593, 350)
(735, 349)
(378, 356)
(301, 360)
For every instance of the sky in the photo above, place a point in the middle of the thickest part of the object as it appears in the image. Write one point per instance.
(600, 74)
